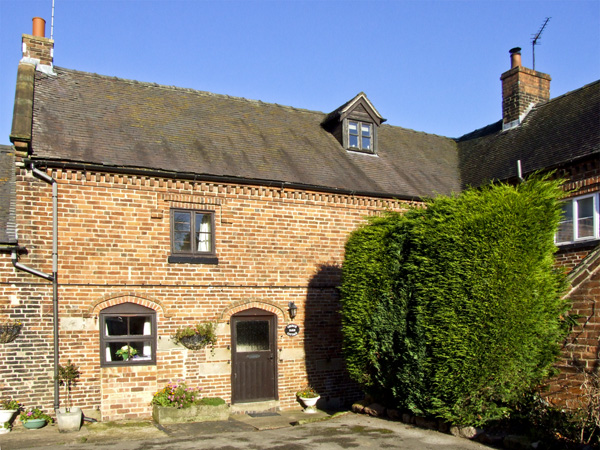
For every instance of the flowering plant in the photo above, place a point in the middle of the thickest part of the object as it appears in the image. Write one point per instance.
(34, 413)
(8, 404)
(126, 352)
(177, 395)
(197, 336)
(307, 392)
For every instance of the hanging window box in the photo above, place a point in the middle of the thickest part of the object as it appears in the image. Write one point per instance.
(9, 330)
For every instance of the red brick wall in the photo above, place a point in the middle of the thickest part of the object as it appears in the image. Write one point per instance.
(274, 246)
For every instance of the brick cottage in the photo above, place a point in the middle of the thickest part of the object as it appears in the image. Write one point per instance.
(130, 210)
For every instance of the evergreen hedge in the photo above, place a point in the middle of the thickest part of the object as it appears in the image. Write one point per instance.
(454, 310)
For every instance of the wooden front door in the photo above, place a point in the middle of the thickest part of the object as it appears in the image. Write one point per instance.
(254, 349)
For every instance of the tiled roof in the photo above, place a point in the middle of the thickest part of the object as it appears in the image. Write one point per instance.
(562, 130)
(7, 196)
(83, 117)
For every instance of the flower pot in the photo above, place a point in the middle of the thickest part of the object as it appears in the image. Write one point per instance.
(34, 424)
(310, 404)
(69, 421)
(5, 416)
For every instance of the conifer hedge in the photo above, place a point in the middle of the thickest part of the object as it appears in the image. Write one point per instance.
(454, 310)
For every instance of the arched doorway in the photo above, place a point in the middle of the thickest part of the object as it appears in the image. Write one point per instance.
(254, 356)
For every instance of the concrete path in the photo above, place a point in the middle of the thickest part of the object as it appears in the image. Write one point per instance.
(242, 432)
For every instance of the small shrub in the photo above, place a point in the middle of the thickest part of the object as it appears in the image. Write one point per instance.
(204, 332)
(34, 413)
(211, 401)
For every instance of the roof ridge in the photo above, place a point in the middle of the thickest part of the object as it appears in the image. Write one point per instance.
(184, 89)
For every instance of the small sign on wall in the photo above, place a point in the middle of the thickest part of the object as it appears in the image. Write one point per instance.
(292, 329)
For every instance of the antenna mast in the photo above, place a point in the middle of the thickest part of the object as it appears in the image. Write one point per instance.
(52, 23)
(535, 38)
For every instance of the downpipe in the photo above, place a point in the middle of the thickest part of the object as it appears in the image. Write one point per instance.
(54, 277)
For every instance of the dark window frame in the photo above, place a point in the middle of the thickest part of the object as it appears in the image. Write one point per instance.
(193, 255)
(125, 312)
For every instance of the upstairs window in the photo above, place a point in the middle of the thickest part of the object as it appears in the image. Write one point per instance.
(360, 135)
(580, 220)
(192, 236)
(127, 335)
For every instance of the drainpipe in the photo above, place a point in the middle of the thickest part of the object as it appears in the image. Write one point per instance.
(48, 179)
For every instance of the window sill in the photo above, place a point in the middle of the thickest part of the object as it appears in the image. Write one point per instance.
(193, 259)
(569, 246)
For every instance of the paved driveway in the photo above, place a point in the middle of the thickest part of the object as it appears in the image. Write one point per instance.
(341, 432)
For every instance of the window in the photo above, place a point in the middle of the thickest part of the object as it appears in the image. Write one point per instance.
(192, 236)
(127, 335)
(360, 135)
(580, 220)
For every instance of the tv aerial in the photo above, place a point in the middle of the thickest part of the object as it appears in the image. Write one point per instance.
(536, 37)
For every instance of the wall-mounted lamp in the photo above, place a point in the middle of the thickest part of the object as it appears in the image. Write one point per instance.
(292, 308)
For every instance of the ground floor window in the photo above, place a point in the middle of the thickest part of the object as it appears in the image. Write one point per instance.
(127, 335)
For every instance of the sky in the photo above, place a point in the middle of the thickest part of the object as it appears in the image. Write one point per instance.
(431, 66)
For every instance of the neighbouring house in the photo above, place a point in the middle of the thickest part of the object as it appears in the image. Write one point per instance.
(130, 209)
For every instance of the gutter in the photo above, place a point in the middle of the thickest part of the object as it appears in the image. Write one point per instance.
(54, 277)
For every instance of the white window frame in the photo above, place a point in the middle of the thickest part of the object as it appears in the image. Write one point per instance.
(596, 220)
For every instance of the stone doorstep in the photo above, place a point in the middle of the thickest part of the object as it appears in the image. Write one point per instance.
(255, 407)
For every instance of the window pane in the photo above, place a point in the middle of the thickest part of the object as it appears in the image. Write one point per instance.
(353, 128)
(565, 232)
(139, 325)
(252, 335)
(366, 143)
(204, 232)
(585, 217)
(182, 221)
(366, 129)
(116, 326)
(353, 141)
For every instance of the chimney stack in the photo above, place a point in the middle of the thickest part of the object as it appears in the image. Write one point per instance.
(522, 89)
(37, 48)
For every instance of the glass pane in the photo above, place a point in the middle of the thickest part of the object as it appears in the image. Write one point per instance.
(567, 210)
(182, 221)
(116, 326)
(585, 227)
(203, 232)
(119, 351)
(353, 142)
(139, 325)
(565, 232)
(366, 143)
(353, 127)
(366, 129)
(252, 335)
(182, 242)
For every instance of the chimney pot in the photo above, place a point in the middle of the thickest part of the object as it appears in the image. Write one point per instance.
(39, 27)
(515, 57)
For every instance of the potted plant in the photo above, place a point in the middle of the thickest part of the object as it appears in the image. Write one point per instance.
(69, 418)
(196, 337)
(176, 403)
(34, 418)
(8, 408)
(126, 352)
(309, 397)
(9, 330)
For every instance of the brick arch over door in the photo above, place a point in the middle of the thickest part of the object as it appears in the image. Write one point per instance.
(243, 305)
(127, 297)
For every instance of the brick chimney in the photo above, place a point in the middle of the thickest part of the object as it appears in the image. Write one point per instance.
(522, 89)
(38, 49)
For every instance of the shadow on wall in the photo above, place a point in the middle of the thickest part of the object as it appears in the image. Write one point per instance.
(325, 364)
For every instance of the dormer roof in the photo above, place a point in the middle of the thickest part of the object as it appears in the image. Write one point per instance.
(360, 104)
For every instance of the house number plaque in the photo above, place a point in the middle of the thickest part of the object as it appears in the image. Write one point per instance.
(292, 329)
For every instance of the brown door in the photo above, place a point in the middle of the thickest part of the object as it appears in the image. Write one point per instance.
(254, 371)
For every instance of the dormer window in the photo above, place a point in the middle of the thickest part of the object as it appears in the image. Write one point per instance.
(355, 125)
(360, 135)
